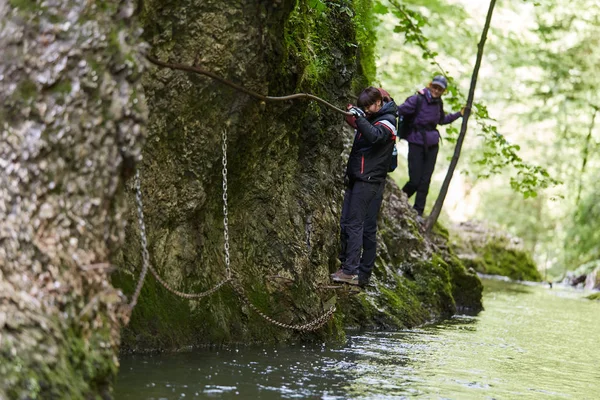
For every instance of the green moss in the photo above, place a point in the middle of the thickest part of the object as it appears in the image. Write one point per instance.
(62, 87)
(160, 319)
(307, 32)
(467, 288)
(83, 370)
(365, 25)
(26, 90)
(24, 5)
(595, 296)
(434, 283)
(441, 231)
(516, 264)
(493, 252)
(421, 294)
(312, 32)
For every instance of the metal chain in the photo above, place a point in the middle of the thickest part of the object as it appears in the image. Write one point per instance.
(188, 295)
(309, 326)
(145, 255)
(225, 209)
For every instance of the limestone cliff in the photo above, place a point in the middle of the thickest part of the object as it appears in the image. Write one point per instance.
(285, 174)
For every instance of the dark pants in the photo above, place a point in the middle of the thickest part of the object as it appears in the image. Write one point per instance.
(421, 164)
(358, 227)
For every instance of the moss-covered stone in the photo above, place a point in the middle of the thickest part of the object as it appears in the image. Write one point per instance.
(490, 251)
(594, 296)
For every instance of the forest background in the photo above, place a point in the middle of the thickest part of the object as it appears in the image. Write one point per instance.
(537, 88)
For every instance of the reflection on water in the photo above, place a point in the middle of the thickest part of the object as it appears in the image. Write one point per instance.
(530, 343)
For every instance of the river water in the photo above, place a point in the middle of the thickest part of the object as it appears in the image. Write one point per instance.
(531, 342)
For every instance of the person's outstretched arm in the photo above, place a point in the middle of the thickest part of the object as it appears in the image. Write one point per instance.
(450, 118)
(380, 132)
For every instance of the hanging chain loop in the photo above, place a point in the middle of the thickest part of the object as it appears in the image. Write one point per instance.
(229, 278)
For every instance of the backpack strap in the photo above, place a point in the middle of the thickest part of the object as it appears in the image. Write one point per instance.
(442, 113)
(419, 104)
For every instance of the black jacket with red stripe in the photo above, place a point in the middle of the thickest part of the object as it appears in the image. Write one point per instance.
(374, 140)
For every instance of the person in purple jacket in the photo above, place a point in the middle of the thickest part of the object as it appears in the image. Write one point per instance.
(426, 111)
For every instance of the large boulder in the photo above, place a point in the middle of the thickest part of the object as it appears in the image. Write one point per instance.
(490, 250)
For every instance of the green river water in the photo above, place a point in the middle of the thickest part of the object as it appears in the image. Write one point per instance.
(531, 342)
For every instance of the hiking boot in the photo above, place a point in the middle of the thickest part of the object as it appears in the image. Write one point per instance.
(363, 282)
(420, 219)
(336, 273)
(342, 277)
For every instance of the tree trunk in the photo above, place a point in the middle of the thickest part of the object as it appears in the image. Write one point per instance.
(586, 153)
(439, 202)
(72, 123)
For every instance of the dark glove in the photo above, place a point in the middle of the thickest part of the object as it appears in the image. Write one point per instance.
(357, 112)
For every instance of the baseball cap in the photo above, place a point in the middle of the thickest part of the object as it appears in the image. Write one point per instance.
(440, 80)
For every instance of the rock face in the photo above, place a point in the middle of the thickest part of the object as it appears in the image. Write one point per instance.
(285, 174)
(491, 251)
(72, 126)
(592, 280)
(418, 279)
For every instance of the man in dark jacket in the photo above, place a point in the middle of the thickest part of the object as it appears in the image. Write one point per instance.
(426, 109)
(366, 171)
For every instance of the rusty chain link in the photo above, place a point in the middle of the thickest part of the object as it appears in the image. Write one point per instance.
(307, 327)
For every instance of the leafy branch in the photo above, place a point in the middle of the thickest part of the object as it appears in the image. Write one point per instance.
(498, 152)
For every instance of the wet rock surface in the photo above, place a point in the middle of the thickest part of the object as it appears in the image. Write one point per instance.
(72, 126)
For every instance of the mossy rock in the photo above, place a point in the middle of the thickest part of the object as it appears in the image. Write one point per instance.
(493, 252)
(285, 180)
(594, 296)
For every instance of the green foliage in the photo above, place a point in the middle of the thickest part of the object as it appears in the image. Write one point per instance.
(499, 153)
(310, 31)
(536, 115)
(584, 233)
(565, 96)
